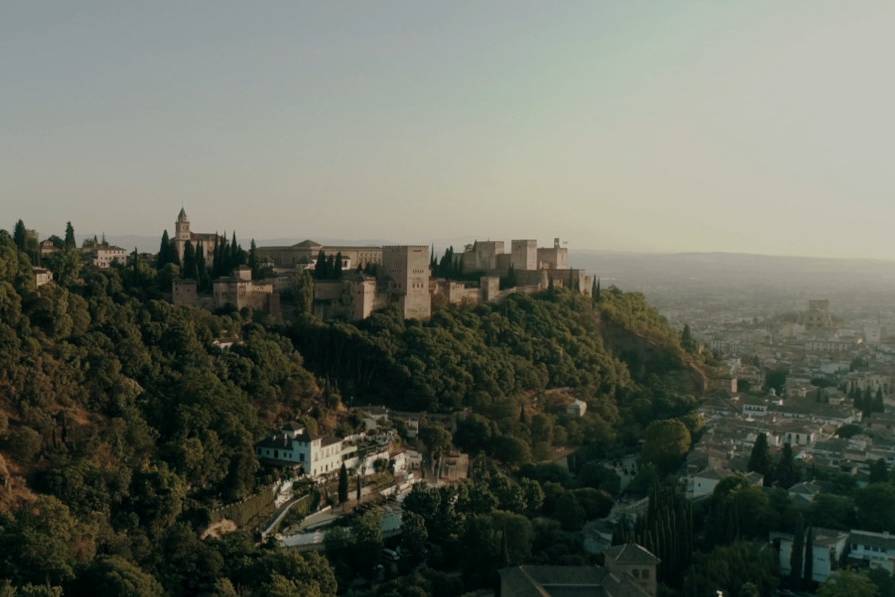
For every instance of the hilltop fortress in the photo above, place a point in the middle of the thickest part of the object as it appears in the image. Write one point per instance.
(362, 279)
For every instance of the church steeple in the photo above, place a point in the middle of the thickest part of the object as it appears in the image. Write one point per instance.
(181, 232)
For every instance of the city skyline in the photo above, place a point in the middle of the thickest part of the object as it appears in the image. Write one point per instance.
(756, 129)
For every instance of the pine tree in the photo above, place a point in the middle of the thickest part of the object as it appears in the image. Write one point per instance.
(343, 484)
(760, 458)
(70, 237)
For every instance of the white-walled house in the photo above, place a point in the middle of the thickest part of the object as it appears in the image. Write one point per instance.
(828, 548)
(875, 549)
(294, 446)
(106, 256)
(703, 484)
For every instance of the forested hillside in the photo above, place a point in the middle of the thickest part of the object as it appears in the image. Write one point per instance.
(122, 422)
(121, 425)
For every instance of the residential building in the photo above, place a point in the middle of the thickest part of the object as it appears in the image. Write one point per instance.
(104, 256)
(634, 561)
(42, 276)
(294, 445)
(828, 550)
(615, 579)
(876, 550)
(703, 484)
(804, 492)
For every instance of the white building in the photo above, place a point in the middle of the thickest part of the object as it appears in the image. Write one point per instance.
(42, 276)
(317, 457)
(827, 551)
(875, 549)
(703, 484)
(104, 257)
(577, 408)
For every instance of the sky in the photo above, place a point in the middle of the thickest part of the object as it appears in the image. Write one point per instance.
(762, 127)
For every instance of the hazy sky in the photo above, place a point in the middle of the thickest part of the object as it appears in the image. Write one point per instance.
(671, 126)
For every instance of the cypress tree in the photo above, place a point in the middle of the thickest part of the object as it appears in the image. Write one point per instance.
(808, 576)
(253, 258)
(238, 256)
(173, 253)
(797, 554)
(687, 339)
(786, 474)
(343, 484)
(216, 257)
(337, 266)
(201, 268)
(879, 472)
(20, 235)
(164, 251)
(69, 237)
(190, 268)
(358, 485)
(320, 272)
(760, 458)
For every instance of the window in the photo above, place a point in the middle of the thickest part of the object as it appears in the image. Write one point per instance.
(635, 573)
(645, 574)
